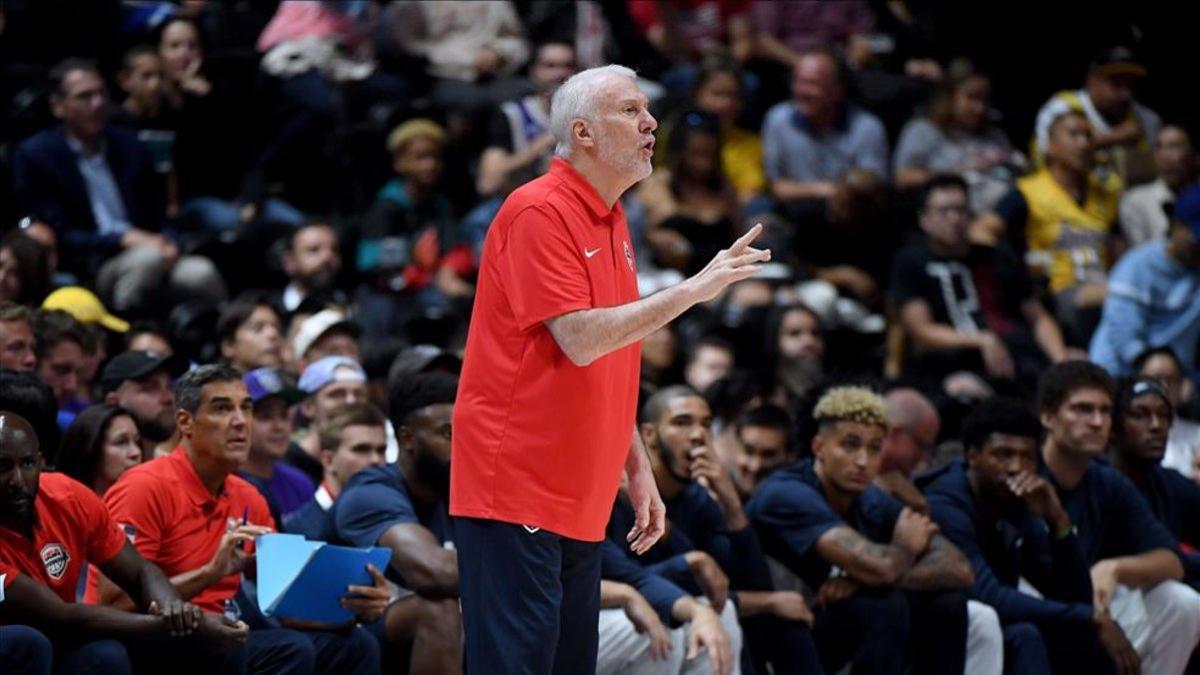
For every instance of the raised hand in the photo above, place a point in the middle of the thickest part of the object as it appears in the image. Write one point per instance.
(730, 266)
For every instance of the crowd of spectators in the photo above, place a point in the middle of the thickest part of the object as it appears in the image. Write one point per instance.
(952, 426)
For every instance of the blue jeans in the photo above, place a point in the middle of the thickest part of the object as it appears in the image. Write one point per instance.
(212, 214)
(530, 600)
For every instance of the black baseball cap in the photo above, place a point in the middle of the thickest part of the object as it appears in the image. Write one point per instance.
(134, 365)
(422, 359)
(1117, 61)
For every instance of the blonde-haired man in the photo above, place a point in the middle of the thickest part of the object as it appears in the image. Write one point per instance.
(882, 578)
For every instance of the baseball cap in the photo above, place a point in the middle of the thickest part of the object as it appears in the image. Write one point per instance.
(330, 369)
(319, 324)
(1186, 208)
(423, 358)
(263, 383)
(1117, 61)
(134, 365)
(83, 304)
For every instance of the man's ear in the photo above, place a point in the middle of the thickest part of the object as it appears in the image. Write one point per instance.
(227, 349)
(649, 435)
(326, 457)
(404, 437)
(184, 422)
(818, 446)
(1047, 420)
(581, 130)
(111, 398)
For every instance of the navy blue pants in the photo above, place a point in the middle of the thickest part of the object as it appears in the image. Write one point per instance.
(787, 646)
(884, 630)
(25, 651)
(268, 651)
(98, 657)
(530, 599)
(869, 629)
(1025, 651)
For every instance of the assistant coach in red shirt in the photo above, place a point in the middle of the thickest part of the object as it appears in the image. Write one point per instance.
(544, 425)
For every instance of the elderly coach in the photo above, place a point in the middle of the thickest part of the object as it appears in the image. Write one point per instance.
(544, 423)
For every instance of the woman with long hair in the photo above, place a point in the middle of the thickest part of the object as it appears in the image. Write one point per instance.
(24, 269)
(691, 208)
(101, 444)
(958, 136)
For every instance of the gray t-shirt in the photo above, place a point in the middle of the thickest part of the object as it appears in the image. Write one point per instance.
(792, 151)
(986, 160)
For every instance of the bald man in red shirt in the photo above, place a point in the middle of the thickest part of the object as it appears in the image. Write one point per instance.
(51, 527)
(544, 423)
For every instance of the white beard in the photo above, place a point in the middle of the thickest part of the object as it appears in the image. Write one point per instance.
(627, 164)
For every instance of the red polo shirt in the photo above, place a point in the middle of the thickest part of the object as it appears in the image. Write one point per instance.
(71, 528)
(537, 440)
(177, 524)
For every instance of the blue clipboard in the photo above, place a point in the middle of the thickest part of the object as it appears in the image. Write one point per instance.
(306, 580)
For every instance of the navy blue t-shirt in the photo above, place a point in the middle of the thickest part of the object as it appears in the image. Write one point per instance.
(1175, 500)
(312, 521)
(1111, 517)
(1002, 550)
(790, 513)
(377, 498)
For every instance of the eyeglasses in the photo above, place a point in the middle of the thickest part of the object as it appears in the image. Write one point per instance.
(948, 211)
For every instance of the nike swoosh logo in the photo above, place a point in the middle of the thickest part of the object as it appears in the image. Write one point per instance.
(590, 253)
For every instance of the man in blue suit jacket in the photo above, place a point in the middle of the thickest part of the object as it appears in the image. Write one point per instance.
(97, 187)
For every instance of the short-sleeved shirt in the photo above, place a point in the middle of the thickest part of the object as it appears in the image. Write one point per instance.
(71, 528)
(8, 574)
(176, 523)
(1112, 519)
(981, 291)
(792, 150)
(538, 440)
(377, 498)
(790, 513)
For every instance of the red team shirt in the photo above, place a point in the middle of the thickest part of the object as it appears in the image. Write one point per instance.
(71, 528)
(539, 441)
(177, 524)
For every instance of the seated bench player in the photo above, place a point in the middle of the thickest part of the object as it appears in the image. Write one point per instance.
(880, 573)
(1136, 564)
(51, 527)
(403, 507)
(1024, 550)
(711, 547)
(190, 514)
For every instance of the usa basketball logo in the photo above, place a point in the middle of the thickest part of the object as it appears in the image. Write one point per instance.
(628, 256)
(55, 559)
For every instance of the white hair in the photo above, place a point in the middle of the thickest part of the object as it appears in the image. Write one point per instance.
(577, 98)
